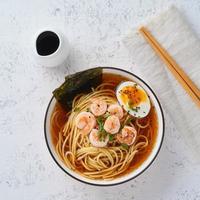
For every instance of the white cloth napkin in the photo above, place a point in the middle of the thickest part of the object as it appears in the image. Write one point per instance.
(172, 31)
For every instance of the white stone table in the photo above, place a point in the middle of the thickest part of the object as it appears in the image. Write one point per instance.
(94, 29)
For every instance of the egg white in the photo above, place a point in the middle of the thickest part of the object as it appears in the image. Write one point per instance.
(144, 107)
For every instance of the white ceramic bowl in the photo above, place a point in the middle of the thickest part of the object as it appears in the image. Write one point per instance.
(130, 175)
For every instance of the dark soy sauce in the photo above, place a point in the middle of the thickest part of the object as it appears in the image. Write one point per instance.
(47, 43)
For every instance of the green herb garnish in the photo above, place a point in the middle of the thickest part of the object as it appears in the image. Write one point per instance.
(107, 115)
(135, 109)
(121, 127)
(128, 121)
(100, 123)
(124, 146)
(111, 137)
(88, 109)
(102, 135)
(102, 132)
(76, 109)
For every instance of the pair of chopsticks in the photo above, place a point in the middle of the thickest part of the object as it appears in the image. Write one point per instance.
(175, 69)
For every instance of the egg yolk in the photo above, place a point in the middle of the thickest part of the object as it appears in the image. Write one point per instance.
(132, 96)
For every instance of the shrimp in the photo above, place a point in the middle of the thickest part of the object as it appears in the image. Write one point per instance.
(86, 122)
(127, 135)
(98, 107)
(96, 141)
(116, 109)
(112, 124)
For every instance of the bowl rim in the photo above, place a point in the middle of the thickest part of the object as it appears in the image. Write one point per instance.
(133, 177)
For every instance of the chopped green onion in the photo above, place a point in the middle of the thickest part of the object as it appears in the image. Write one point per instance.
(100, 123)
(111, 137)
(88, 109)
(136, 109)
(107, 115)
(102, 132)
(102, 135)
(76, 109)
(121, 127)
(125, 146)
(128, 121)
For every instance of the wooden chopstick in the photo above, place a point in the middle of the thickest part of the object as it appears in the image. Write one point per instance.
(179, 74)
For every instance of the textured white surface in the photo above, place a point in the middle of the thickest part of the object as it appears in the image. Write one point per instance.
(94, 29)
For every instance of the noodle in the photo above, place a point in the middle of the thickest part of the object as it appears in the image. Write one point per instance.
(75, 150)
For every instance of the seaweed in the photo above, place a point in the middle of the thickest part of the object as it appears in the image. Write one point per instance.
(80, 82)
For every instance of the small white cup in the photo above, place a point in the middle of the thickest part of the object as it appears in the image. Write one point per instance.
(57, 57)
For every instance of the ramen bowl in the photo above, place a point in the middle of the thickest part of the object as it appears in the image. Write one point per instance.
(127, 176)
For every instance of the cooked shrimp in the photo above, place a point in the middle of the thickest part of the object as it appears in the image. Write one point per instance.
(128, 135)
(98, 107)
(96, 141)
(86, 122)
(116, 109)
(112, 124)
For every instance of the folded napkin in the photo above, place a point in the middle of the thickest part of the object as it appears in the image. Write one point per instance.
(172, 31)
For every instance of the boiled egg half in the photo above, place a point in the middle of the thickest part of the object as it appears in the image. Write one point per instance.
(133, 98)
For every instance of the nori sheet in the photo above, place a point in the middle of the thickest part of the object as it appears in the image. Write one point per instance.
(80, 82)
